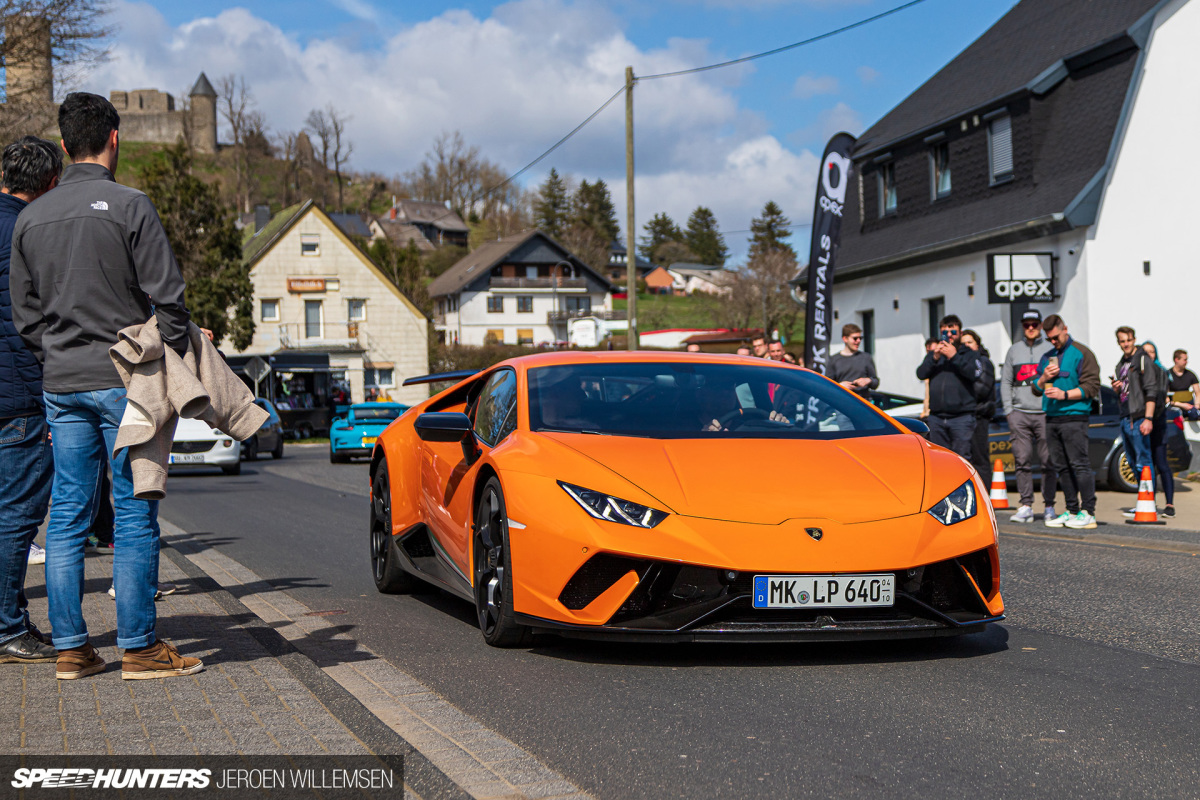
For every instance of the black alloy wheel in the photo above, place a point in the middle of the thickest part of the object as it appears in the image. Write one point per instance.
(390, 577)
(493, 572)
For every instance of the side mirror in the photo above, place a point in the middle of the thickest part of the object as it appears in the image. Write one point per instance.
(915, 425)
(443, 426)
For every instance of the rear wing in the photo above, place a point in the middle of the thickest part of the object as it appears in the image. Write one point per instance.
(438, 377)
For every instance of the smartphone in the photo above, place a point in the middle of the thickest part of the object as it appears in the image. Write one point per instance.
(1053, 361)
(945, 336)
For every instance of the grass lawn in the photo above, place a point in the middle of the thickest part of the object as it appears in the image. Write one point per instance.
(664, 311)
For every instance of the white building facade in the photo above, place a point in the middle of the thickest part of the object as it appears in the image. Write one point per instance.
(1065, 167)
(522, 289)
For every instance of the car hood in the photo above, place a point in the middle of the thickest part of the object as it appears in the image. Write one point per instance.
(191, 430)
(768, 481)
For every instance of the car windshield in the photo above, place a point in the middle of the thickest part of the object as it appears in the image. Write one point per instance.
(369, 414)
(677, 400)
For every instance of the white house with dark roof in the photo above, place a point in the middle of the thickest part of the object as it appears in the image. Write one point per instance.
(522, 289)
(1041, 159)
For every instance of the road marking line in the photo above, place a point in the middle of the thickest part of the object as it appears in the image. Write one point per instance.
(482, 762)
(1110, 540)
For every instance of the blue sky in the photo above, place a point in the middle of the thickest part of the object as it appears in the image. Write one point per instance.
(514, 77)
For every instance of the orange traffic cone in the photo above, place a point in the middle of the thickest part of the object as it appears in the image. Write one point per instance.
(1145, 512)
(999, 493)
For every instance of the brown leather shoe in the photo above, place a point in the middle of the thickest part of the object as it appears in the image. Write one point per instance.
(159, 660)
(78, 662)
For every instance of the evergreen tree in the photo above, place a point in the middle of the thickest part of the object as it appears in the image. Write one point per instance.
(660, 230)
(704, 238)
(593, 208)
(206, 245)
(769, 232)
(550, 210)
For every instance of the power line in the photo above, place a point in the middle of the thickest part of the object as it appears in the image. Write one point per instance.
(786, 47)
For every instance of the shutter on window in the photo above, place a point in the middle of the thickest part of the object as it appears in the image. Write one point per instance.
(1002, 161)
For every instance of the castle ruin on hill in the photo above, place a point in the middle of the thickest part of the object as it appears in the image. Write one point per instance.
(147, 115)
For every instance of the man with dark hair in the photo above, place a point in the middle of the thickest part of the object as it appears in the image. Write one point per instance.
(87, 261)
(31, 168)
(951, 369)
(853, 367)
(775, 350)
(1026, 417)
(759, 343)
(1137, 383)
(1068, 380)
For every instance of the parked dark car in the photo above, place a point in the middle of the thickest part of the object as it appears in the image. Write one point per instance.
(268, 438)
(1107, 452)
(886, 401)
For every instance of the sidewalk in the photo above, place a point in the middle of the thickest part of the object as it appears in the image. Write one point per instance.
(256, 696)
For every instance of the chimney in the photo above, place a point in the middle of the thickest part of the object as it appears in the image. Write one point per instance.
(262, 216)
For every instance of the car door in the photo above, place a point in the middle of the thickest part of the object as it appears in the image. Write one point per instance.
(448, 476)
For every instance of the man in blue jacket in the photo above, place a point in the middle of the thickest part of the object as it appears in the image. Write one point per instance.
(31, 168)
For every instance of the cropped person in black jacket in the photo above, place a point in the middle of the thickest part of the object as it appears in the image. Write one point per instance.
(985, 407)
(951, 369)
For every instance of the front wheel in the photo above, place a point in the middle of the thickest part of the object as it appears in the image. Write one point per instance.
(493, 572)
(277, 453)
(250, 449)
(390, 577)
(1121, 476)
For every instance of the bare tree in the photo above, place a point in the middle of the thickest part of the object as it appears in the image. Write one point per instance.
(235, 104)
(328, 125)
(760, 294)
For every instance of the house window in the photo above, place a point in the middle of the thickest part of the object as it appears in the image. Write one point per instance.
(524, 335)
(868, 330)
(356, 310)
(531, 272)
(887, 189)
(936, 309)
(495, 305)
(380, 377)
(313, 320)
(494, 336)
(1000, 154)
(524, 304)
(269, 310)
(310, 244)
(939, 170)
(579, 304)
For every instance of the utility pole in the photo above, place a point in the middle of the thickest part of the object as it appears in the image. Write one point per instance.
(631, 339)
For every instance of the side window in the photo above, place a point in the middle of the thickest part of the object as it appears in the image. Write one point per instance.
(496, 414)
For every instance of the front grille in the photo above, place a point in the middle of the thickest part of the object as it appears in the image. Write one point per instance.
(192, 447)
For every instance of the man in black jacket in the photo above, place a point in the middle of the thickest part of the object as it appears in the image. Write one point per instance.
(89, 259)
(951, 369)
(31, 168)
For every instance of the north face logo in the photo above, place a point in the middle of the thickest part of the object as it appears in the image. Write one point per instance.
(100, 205)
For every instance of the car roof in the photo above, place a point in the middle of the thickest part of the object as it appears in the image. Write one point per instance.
(379, 405)
(563, 357)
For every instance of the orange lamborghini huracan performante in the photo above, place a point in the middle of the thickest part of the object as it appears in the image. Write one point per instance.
(679, 497)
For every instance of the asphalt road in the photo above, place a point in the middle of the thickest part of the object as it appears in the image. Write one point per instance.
(1090, 688)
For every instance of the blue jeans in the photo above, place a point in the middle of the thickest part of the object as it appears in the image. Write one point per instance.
(1137, 448)
(84, 425)
(26, 469)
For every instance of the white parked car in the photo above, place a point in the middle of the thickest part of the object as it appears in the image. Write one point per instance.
(198, 445)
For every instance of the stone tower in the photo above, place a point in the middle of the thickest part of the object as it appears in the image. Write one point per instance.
(204, 115)
(29, 76)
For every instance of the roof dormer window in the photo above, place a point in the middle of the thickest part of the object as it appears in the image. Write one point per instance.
(1000, 149)
(886, 177)
(939, 170)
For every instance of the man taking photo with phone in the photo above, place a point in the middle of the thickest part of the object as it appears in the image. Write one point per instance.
(951, 369)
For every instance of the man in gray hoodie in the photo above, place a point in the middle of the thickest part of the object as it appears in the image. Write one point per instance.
(1026, 418)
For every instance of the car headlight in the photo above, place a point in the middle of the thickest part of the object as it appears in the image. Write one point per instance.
(614, 509)
(956, 506)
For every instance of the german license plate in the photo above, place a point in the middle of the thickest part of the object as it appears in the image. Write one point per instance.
(369, 440)
(187, 458)
(824, 591)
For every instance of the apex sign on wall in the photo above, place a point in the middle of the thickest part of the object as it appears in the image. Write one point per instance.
(1021, 277)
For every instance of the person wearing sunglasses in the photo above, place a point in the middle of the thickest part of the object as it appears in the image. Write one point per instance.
(853, 367)
(951, 369)
(1026, 418)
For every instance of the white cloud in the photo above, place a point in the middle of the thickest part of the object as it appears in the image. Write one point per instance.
(359, 9)
(810, 85)
(830, 121)
(512, 83)
(867, 74)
